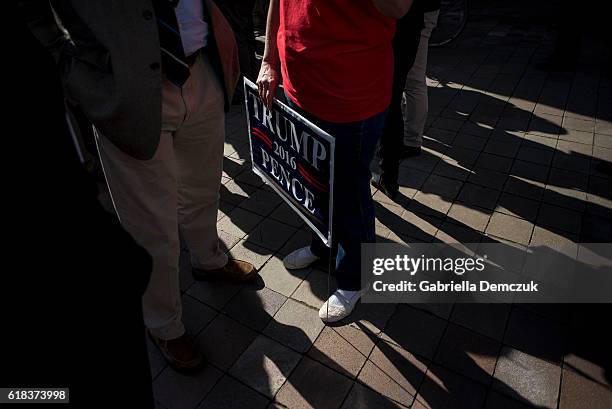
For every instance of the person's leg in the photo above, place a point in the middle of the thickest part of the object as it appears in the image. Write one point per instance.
(388, 155)
(354, 217)
(198, 147)
(144, 196)
(415, 102)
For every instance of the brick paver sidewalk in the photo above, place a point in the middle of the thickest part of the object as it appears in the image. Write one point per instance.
(510, 156)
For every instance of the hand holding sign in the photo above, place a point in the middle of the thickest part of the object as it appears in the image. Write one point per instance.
(267, 81)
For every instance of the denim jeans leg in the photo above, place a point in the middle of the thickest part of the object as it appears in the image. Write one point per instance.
(353, 204)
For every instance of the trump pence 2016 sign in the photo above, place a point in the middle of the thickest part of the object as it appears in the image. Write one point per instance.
(293, 156)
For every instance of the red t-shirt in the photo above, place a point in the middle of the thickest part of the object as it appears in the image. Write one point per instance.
(336, 57)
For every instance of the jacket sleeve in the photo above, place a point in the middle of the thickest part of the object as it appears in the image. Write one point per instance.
(42, 22)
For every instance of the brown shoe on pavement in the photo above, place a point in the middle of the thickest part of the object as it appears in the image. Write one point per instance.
(234, 270)
(180, 352)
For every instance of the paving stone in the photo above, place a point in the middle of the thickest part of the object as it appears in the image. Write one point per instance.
(485, 319)
(535, 335)
(178, 391)
(603, 127)
(518, 207)
(415, 331)
(478, 196)
(498, 401)
(195, 314)
(571, 162)
(265, 365)
(535, 155)
(468, 353)
(425, 162)
(255, 307)
(430, 204)
(476, 129)
(578, 124)
(441, 186)
(370, 318)
(545, 125)
(236, 193)
(277, 278)
(488, 178)
(254, 254)
(312, 385)
(469, 216)
(510, 228)
(448, 124)
(418, 227)
(573, 135)
(530, 171)
(361, 397)
(468, 141)
(301, 238)
(271, 234)
(332, 350)
(603, 140)
(453, 233)
(585, 367)
(494, 162)
(393, 372)
(214, 293)
(313, 290)
(453, 169)
(229, 393)
(539, 141)
(526, 377)
(223, 341)
(569, 198)
(261, 202)
(227, 240)
(157, 362)
(287, 215)
(502, 148)
(444, 389)
(295, 325)
(524, 187)
(442, 310)
(559, 218)
(239, 222)
(442, 136)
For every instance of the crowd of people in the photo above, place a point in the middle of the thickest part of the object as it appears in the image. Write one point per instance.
(155, 79)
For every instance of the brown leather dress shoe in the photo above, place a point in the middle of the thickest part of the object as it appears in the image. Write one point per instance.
(181, 354)
(234, 270)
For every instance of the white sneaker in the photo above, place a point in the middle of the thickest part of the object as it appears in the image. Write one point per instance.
(340, 305)
(300, 258)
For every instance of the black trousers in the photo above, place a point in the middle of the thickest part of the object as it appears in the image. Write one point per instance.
(239, 14)
(405, 46)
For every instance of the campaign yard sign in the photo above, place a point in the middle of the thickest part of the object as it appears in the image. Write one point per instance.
(295, 157)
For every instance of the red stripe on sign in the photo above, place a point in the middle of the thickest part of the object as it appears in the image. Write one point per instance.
(263, 137)
(314, 182)
(262, 134)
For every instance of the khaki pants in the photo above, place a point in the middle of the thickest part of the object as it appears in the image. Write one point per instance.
(179, 186)
(415, 104)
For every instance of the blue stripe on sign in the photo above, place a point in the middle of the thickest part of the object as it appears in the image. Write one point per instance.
(168, 26)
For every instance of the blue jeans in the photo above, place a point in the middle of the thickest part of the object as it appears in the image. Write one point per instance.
(353, 220)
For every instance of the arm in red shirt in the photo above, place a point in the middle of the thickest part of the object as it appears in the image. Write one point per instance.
(393, 8)
(269, 75)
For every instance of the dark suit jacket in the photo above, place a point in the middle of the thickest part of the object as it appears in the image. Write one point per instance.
(109, 59)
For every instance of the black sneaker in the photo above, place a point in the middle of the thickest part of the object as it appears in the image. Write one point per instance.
(389, 189)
